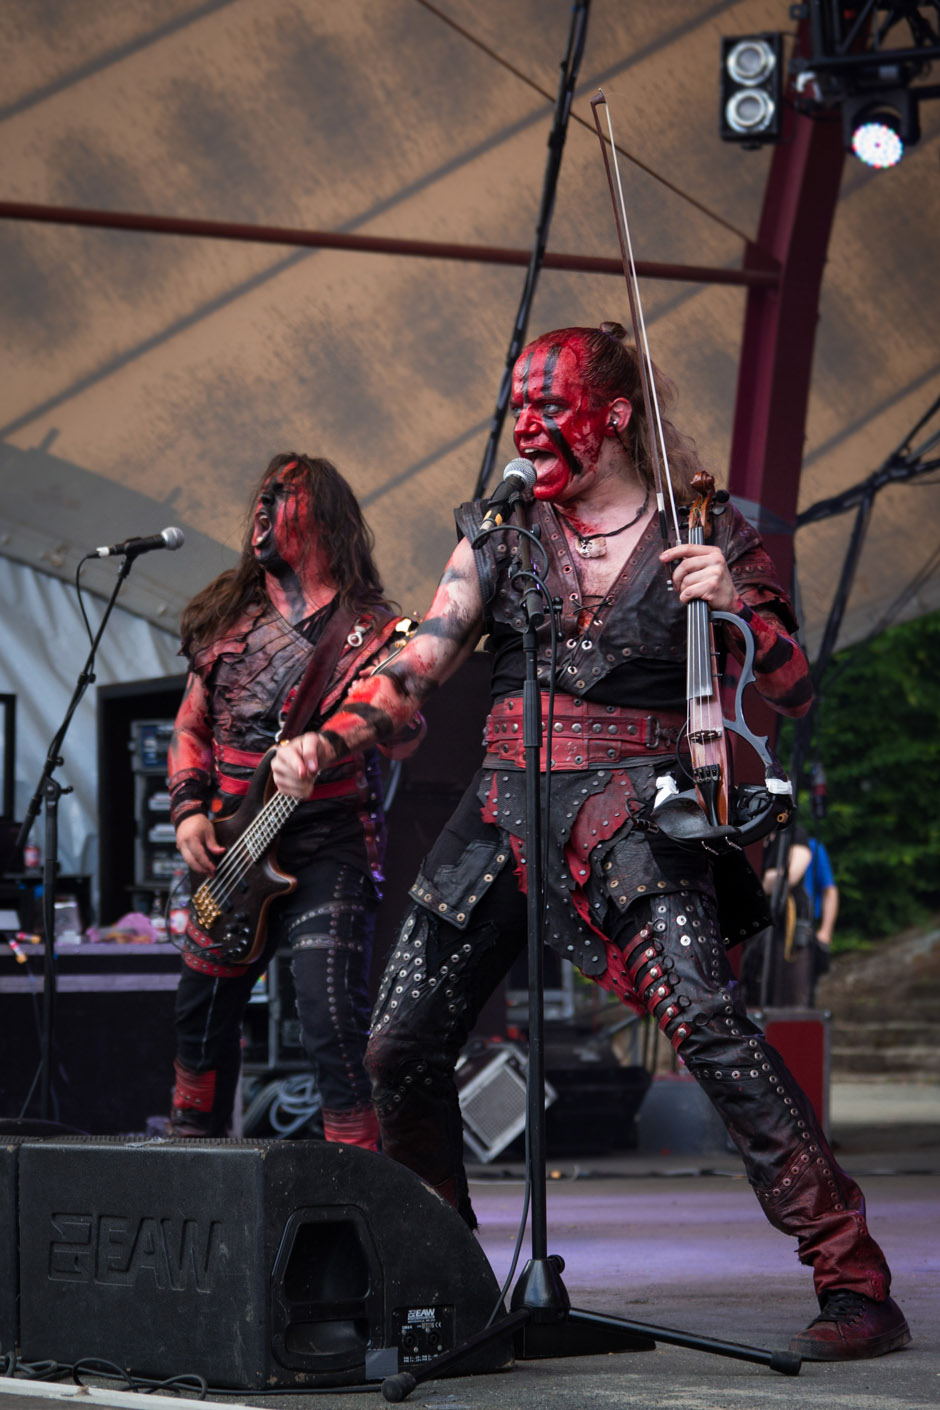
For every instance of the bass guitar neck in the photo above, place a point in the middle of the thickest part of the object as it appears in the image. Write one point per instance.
(229, 909)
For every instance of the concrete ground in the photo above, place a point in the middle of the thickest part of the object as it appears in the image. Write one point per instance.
(680, 1242)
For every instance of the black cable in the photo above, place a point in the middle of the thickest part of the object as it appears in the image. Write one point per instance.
(520, 1235)
(913, 586)
(556, 142)
(834, 672)
(78, 593)
(902, 465)
(29, 1370)
(362, 1388)
(193, 1385)
(109, 1370)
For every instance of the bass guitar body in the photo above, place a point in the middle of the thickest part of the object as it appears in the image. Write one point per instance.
(229, 910)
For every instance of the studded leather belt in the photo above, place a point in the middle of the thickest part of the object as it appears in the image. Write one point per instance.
(584, 734)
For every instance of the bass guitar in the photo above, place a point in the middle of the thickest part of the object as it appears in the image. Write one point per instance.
(228, 911)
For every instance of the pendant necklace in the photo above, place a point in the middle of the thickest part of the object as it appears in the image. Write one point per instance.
(595, 545)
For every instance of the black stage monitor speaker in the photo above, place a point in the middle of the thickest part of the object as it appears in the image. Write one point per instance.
(251, 1263)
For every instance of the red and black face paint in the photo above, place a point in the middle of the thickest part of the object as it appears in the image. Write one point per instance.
(284, 541)
(560, 422)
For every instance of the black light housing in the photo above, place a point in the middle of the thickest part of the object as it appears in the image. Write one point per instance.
(878, 126)
(751, 88)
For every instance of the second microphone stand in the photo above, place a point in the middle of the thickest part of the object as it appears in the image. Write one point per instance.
(543, 1322)
(47, 794)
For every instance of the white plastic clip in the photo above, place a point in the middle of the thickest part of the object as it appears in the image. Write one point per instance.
(666, 787)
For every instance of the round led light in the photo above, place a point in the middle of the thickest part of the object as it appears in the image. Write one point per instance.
(877, 142)
(751, 61)
(750, 110)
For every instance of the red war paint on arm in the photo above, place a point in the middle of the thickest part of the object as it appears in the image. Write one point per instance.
(379, 705)
(781, 670)
(191, 744)
(190, 768)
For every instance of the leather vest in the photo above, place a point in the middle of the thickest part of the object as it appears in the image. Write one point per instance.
(644, 619)
(251, 675)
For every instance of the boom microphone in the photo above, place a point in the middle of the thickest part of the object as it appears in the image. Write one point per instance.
(519, 475)
(168, 538)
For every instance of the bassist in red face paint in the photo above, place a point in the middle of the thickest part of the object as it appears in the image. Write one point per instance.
(251, 636)
(643, 916)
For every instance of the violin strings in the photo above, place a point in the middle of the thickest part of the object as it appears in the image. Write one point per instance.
(698, 668)
(698, 628)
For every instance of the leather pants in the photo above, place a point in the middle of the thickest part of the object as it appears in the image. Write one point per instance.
(328, 922)
(665, 958)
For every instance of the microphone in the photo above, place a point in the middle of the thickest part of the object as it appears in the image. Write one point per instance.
(519, 475)
(167, 538)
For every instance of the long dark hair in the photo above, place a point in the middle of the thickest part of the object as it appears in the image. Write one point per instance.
(611, 369)
(346, 542)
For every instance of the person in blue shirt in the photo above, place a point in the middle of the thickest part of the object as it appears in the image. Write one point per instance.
(801, 941)
(820, 884)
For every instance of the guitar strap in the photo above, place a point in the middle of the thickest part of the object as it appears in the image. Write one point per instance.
(328, 650)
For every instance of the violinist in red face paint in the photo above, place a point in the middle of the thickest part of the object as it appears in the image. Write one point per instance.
(305, 583)
(637, 913)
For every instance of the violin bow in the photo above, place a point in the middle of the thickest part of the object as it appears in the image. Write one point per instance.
(659, 457)
(705, 820)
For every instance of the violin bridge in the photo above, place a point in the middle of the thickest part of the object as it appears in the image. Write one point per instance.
(704, 736)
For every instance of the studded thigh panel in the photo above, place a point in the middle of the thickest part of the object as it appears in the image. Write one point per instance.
(667, 960)
(424, 974)
(434, 986)
(438, 978)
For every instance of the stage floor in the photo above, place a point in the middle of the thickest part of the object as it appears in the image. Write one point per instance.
(680, 1242)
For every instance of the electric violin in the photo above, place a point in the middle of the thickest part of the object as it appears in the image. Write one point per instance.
(713, 813)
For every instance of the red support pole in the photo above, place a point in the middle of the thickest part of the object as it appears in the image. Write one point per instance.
(761, 276)
(775, 366)
(776, 360)
(780, 327)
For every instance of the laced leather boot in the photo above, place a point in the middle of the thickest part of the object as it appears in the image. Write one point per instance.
(851, 1327)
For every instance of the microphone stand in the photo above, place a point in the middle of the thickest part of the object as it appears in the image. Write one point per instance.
(543, 1322)
(48, 792)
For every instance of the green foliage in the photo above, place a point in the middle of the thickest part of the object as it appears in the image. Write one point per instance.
(878, 737)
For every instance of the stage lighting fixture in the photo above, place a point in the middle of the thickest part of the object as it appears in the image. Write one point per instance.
(879, 127)
(751, 89)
